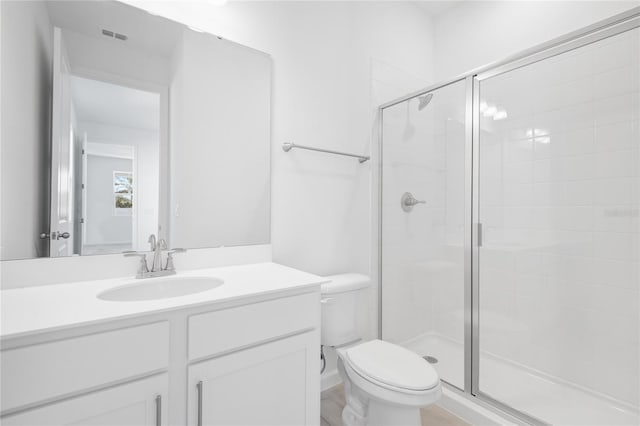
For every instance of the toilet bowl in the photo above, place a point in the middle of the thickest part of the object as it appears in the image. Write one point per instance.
(384, 384)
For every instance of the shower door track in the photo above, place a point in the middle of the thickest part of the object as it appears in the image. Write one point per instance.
(601, 30)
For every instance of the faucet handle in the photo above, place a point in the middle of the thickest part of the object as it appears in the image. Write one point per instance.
(143, 268)
(152, 241)
(170, 253)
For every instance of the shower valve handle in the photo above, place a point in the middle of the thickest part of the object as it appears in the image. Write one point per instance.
(408, 201)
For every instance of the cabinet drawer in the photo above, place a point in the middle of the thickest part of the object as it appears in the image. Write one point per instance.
(41, 372)
(227, 329)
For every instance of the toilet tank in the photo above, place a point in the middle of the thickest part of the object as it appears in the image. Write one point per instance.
(342, 304)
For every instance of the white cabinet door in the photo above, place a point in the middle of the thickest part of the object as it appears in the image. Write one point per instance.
(131, 404)
(277, 383)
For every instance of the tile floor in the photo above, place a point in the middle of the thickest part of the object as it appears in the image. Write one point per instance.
(333, 403)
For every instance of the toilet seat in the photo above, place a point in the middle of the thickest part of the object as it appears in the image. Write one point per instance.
(391, 367)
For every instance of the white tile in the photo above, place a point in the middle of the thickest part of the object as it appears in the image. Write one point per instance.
(615, 54)
(578, 116)
(518, 150)
(577, 218)
(615, 246)
(517, 217)
(613, 218)
(615, 82)
(610, 164)
(542, 146)
(518, 172)
(613, 191)
(542, 170)
(617, 109)
(577, 192)
(616, 136)
(518, 194)
(579, 167)
(616, 273)
(578, 141)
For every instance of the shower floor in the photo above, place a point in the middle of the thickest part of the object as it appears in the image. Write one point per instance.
(551, 400)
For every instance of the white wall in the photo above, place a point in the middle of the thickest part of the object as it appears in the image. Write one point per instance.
(26, 81)
(333, 64)
(324, 56)
(477, 33)
(220, 132)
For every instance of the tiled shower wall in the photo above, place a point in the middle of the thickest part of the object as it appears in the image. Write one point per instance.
(560, 206)
(422, 250)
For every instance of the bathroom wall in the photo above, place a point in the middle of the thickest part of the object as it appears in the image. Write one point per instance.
(333, 64)
(24, 164)
(325, 58)
(476, 33)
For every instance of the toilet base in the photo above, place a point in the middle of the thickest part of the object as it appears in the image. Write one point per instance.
(362, 409)
(381, 414)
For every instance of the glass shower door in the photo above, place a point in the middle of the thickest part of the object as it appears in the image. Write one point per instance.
(558, 266)
(423, 154)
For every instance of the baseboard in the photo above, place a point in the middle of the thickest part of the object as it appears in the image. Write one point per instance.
(329, 379)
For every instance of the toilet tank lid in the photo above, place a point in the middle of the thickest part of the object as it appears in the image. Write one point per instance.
(341, 283)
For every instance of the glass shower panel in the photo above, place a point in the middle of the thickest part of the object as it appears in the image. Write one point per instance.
(423, 152)
(559, 191)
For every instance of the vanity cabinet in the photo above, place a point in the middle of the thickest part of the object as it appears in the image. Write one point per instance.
(139, 403)
(256, 364)
(271, 384)
(245, 362)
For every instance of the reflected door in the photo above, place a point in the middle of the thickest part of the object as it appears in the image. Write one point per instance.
(61, 222)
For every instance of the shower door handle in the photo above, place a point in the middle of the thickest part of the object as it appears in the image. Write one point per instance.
(479, 234)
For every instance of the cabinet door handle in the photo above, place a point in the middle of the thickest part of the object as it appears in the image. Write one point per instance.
(158, 410)
(199, 386)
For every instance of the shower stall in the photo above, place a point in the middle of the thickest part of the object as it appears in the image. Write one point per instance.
(519, 275)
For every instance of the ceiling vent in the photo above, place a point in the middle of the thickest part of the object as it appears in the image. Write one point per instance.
(112, 34)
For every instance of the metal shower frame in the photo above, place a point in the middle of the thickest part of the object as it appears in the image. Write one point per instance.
(601, 30)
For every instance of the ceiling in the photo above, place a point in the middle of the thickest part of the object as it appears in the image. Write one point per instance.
(99, 102)
(143, 30)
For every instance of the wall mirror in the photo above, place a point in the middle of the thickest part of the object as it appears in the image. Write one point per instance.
(118, 124)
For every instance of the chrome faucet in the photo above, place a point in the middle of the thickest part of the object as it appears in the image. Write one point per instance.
(157, 268)
(156, 248)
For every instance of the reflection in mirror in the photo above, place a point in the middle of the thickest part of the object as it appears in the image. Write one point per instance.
(118, 124)
(118, 132)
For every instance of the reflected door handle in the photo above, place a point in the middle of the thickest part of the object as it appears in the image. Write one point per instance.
(55, 235)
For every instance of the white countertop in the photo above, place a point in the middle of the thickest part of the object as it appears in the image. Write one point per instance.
(32, 310)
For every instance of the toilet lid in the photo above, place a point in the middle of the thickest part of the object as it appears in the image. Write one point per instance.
(392, 365)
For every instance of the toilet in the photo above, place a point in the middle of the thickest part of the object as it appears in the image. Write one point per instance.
(384, 384)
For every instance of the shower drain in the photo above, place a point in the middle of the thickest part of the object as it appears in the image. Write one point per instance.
(430, 359)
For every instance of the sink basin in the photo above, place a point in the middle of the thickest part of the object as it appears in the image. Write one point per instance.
(160, 288)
